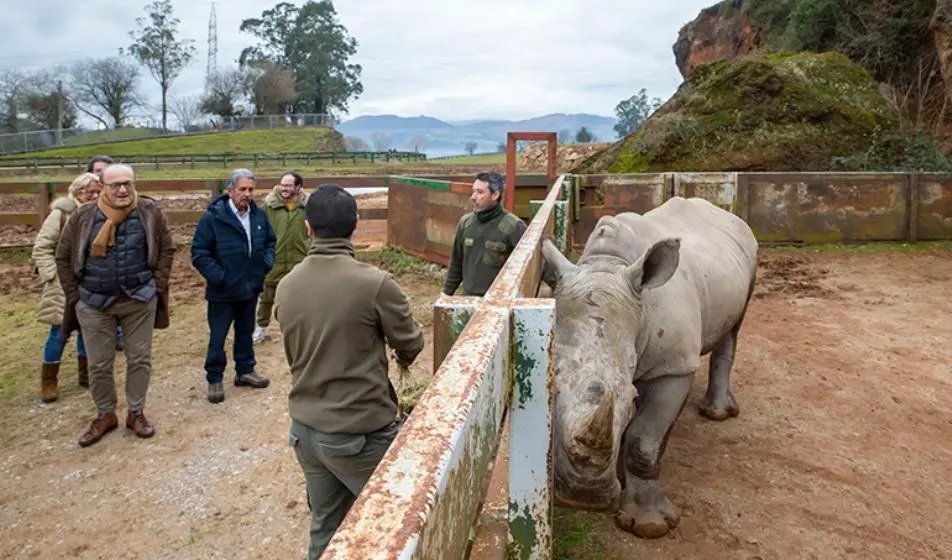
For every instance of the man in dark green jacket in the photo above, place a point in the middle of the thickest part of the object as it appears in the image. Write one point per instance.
(484, 240)
(284, 207)
(337, 314)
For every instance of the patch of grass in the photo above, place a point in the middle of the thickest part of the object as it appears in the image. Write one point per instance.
(879, 247)
(23, 340)
(574, 539)
(315, 139)
(16, 255)
(478, 159)
(147, 171)
(399, 263)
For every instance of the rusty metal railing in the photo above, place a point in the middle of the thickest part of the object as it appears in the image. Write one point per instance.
(492, 357)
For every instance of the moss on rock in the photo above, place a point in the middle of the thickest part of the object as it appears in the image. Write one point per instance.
(763, 112)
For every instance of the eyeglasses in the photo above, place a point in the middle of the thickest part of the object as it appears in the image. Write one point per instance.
(116, 186)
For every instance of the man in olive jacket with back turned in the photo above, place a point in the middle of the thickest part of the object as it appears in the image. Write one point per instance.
(484, 239)
(335, 312)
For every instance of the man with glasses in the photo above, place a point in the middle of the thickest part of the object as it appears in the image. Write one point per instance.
(114, 259)
(284, 207)
(233, 249)
(95, 166)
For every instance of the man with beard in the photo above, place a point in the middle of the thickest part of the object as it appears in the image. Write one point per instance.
(233, 248)
(484, 239)
(284, 207)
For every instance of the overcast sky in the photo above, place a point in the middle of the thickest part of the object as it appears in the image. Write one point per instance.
(450, 59)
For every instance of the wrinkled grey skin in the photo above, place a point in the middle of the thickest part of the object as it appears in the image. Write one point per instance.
(649, 296)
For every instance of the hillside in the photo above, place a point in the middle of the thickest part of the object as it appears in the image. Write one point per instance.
(441, 138)
(906, 46)
(316, 139)
(763, 112)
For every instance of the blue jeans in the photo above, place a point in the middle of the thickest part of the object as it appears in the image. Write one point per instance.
(55, 344)
(221, 316)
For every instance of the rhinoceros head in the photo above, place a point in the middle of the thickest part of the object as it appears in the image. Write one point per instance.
(598, 314)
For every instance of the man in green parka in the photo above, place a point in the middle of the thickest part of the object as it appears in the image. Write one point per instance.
(484, 239)
(284, 207)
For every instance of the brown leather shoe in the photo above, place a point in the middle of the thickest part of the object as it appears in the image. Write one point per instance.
(83, 367)
(48, 383)
(137, 422)
(102, 425)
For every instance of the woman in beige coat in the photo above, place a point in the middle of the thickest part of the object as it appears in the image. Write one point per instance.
(84, 188)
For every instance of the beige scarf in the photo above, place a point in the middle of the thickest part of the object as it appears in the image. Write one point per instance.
(114, 216)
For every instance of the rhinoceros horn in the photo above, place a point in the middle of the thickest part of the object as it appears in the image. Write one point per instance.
(559, 262)
(598, 434)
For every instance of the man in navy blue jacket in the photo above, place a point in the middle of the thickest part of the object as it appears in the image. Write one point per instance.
(233, 249)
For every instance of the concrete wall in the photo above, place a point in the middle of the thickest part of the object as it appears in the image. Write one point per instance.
(787, 207)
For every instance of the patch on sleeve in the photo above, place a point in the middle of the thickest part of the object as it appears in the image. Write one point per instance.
(508, 223)
(468, 241)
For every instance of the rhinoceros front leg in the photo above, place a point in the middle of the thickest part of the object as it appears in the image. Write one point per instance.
(644, 510)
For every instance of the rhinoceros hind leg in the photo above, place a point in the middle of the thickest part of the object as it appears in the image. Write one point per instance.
(719, 403)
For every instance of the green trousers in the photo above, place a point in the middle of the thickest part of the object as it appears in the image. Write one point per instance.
(336, 467)
(266, 304)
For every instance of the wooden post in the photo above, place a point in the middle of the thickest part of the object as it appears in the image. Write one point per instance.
(44, 197)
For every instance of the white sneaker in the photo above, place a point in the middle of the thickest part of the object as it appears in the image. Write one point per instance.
(259, 335)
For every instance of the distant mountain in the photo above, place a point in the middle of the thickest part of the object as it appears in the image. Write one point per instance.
(441, 138)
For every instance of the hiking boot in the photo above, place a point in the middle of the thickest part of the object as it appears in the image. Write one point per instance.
(83, 368)
(48, 382)
(251, 380)
(259, 335)
(216, 393)
(100, 426)
(137, 422)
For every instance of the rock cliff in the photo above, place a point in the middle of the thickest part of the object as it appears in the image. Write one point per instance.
(762, 112)
(720, 32)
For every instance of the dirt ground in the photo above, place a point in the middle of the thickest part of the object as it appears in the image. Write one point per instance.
(842, 376)
(843, 379)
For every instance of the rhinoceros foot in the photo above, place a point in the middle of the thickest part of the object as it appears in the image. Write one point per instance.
(648, 521)
(719, 407)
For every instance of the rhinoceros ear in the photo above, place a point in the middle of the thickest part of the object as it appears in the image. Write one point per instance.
(558, 262)
(657, 265)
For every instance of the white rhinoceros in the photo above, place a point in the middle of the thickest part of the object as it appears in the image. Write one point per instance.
(649, 296)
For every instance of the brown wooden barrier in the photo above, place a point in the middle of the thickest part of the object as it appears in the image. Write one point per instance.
(423, 213)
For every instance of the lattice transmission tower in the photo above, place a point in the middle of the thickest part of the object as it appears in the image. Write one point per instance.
(211, 65)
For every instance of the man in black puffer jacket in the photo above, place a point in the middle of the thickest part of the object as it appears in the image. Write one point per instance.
(233, 249)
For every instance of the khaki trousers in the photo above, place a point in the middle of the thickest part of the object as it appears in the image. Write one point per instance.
(99, 334)
(336, 467)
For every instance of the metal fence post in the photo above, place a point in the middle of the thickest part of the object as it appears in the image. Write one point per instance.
(530, 431)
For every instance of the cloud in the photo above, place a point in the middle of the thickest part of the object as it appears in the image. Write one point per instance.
(451, 59)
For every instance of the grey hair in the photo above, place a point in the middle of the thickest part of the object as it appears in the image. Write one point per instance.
(239, 174)
(126, 166)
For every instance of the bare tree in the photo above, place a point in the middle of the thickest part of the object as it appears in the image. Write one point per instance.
(379, 141)
(106, 89)
(272, 87)
(226, 89)
(356, 144)
(418, 143)
(186, 110)
(13, 92)
(470, 147)
(156, 47)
